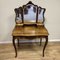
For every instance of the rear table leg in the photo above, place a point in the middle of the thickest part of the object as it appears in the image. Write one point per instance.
(40, 41)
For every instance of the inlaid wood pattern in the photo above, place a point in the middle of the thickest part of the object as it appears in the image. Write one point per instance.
(30, 31)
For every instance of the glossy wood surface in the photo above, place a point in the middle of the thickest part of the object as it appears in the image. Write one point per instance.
(30, 31)
(30, 27)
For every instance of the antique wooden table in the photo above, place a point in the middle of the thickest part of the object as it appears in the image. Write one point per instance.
(27, 31)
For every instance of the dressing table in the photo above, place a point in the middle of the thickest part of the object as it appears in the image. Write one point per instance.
(29, 24)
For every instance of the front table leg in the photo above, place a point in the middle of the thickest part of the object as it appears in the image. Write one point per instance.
(45, 45)
(14, 46)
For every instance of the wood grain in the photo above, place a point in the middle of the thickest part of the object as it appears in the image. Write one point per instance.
(30, 52)
(30, 31)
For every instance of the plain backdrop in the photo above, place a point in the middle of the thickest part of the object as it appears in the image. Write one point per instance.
(7, 17)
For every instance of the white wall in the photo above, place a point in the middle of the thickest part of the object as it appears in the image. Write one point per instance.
(7, 17)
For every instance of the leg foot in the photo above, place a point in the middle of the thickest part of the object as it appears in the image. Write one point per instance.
(45, 45)
(15, 47)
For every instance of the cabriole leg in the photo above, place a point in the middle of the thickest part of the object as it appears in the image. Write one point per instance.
(40, 41)
(14, 46)
(45, 45)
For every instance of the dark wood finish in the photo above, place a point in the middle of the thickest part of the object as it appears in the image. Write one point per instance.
(40, 41)
(18, 42)
(45, 44)
(14, 46)
(29, 30)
